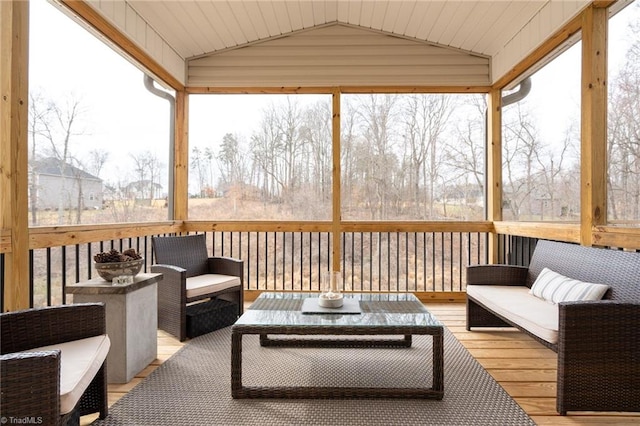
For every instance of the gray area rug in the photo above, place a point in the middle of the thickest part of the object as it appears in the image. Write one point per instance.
(193, 387)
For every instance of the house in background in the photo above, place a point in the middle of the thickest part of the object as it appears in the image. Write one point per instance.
(54, 181)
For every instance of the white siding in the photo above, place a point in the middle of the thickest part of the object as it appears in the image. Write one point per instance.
(51, 190)
(338, 55)
(134, 26)
(552, 15)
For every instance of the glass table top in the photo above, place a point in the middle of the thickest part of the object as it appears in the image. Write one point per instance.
(378, 310)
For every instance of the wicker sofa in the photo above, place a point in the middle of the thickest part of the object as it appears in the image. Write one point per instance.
(53, 364)
(598, 342)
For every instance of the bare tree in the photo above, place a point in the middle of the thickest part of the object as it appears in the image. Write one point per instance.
(378, 121)
(425, 119)
(624, 136)
(147, 166)
(197, 163)
(58, 128)
(97, 159)
(520, 147)
(39, 113)
(315, 134)
(267, 151)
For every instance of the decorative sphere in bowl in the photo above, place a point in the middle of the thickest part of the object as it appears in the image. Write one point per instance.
(110, 270)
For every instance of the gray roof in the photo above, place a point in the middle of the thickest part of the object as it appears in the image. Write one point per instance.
(53, 167)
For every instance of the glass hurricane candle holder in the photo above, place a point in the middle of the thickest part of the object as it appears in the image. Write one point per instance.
(331, 285)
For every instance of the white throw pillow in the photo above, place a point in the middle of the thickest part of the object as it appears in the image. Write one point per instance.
(556, 288)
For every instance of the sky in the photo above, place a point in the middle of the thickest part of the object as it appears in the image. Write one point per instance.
(122, 117)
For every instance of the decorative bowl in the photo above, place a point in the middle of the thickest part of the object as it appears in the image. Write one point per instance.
(330, 300)
(110, 270)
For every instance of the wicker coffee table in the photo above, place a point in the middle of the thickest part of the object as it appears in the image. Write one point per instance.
(382, 315)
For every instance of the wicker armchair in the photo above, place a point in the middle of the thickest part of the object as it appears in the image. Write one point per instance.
(190, 275)
(30, 381)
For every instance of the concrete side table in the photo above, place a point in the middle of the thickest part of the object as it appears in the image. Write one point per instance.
(132, 321)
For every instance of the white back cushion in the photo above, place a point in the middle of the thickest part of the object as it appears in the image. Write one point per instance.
(556, 288)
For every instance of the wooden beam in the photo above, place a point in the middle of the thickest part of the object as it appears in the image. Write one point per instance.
(14, 95)
(494, 167)
(593, 154)
(181, 158)
(89, 15)
(417, 226)
(56, 236)
(5, 240)
(615, 236)
(343, 89)
(336, 217)
(569, 232)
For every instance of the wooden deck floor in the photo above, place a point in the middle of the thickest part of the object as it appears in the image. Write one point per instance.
(524, 368)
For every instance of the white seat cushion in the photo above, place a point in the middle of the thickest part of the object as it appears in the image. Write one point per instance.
(80, 361)
(209, 283)
(516, 304)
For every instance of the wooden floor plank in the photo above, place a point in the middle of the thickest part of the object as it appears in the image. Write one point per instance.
(523, 367)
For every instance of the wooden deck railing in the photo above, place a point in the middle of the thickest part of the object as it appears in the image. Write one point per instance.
(289, 256)
(425, 257)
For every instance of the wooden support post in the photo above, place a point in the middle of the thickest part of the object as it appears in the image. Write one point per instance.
(593, 165)
(336, 218)
(181, 158)
(14, 95)
(494, 167)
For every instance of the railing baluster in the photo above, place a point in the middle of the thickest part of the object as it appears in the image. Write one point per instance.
(31, 279)
(63, 261)
(424, 260)
(301, 258)
(275, 260)
(89, 260)
(48, 251)
(248, 263)
(77, 265)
